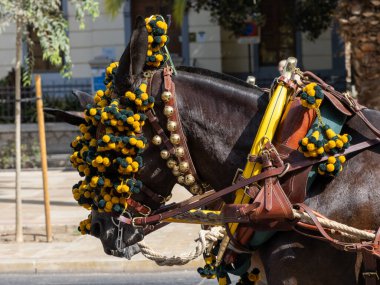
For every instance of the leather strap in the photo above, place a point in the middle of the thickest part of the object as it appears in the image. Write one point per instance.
(170, 86)
(207, 198)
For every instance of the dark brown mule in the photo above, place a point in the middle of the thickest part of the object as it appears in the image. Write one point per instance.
(220, 116)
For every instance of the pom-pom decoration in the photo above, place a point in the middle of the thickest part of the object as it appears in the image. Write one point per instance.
(107, 153)
(311, 96)
(157, 39)
(322, 139)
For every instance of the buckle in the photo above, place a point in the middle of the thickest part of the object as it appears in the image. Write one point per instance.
(371, 274)
(238, 173)
(349, 99)
(134, 224)
(149, 211)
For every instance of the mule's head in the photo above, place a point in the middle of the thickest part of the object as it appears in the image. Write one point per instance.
(121, 241)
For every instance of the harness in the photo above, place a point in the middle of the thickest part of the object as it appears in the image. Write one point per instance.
(270, 207)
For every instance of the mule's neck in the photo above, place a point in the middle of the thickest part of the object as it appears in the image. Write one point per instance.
(220, 118)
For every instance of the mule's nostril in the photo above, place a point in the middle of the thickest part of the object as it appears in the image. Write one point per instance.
(95, 230)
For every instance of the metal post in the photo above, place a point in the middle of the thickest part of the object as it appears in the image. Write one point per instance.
(44, 167)
(19, 234)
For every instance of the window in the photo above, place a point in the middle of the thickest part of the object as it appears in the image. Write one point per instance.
(277, 34)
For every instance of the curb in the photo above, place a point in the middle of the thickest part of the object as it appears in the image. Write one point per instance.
(35, 266)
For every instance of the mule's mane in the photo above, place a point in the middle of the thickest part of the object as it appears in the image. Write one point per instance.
(217, 75)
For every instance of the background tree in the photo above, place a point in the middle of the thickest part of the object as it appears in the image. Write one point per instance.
(45, 18)
(359, 26)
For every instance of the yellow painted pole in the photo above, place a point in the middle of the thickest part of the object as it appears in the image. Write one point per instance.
(41, 131)
(266, 131)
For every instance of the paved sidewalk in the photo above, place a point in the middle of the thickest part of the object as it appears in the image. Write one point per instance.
(69, 251)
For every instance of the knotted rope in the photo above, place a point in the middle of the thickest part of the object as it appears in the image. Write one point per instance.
(204, 242)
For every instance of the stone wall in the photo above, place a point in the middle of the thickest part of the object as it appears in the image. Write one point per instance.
(58, 136)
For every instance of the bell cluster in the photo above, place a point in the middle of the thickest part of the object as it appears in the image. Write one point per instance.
(177, 162)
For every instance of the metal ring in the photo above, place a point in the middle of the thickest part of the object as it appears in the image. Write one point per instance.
(287, 166)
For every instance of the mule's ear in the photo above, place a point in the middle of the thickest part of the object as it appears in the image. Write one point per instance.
(71, 117)
(83, 97)
(139, 46)
(133, 59)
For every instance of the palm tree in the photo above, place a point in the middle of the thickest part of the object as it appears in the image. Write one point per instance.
(359, 23)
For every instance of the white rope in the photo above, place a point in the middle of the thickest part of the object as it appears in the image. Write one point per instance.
(205, 241)
(361, 234)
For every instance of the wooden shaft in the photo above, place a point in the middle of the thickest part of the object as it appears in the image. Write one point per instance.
(19, 233)
(44, 167)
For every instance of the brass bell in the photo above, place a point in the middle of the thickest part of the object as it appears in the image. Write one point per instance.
(184, 166)
(179, 151)
(157, 140)
(176, 172)
(164, 154)
(166, 96)
(189, 179)
(181, 179)
(168, 111)
(195, 189)
(171, 163)
(171, 126)
(175, 138)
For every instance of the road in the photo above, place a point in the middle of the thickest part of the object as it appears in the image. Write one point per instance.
(158, 278)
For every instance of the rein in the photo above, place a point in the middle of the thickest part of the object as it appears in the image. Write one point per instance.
(211, 196)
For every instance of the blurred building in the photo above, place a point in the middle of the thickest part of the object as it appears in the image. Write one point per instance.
(199, 42)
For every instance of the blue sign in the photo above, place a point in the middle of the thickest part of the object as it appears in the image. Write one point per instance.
(98, 82)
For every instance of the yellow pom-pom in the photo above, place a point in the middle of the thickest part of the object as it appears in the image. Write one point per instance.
(310, 147)
(140, 144)
(164, 39)
(92, 111)
(115, 200)
(107, 197)
(344, 138)
(106, 161)
(320, 150)
(149, 52)
(132, 141)
(135, 164)
(150, 39)
(109, 205)
(305, 141)
(104, 116)
(330, 133)
(106, 138)
(130, 120)
(160, 24)
(342, 158)
(159, 57)
(143, 87)
(148, 28)
(136, 116)
(331, 144)
(330, 167)
(331, 160)
(339, 144)
(99, 159)
(144, 96)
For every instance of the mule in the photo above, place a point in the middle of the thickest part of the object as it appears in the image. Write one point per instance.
(220, 117)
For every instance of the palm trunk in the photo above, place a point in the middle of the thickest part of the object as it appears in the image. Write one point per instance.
(359, 24)
(19, 234)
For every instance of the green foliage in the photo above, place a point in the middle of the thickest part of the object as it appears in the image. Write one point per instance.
(310, 16)
(112, 7)
(46, 19)
(30, 155)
